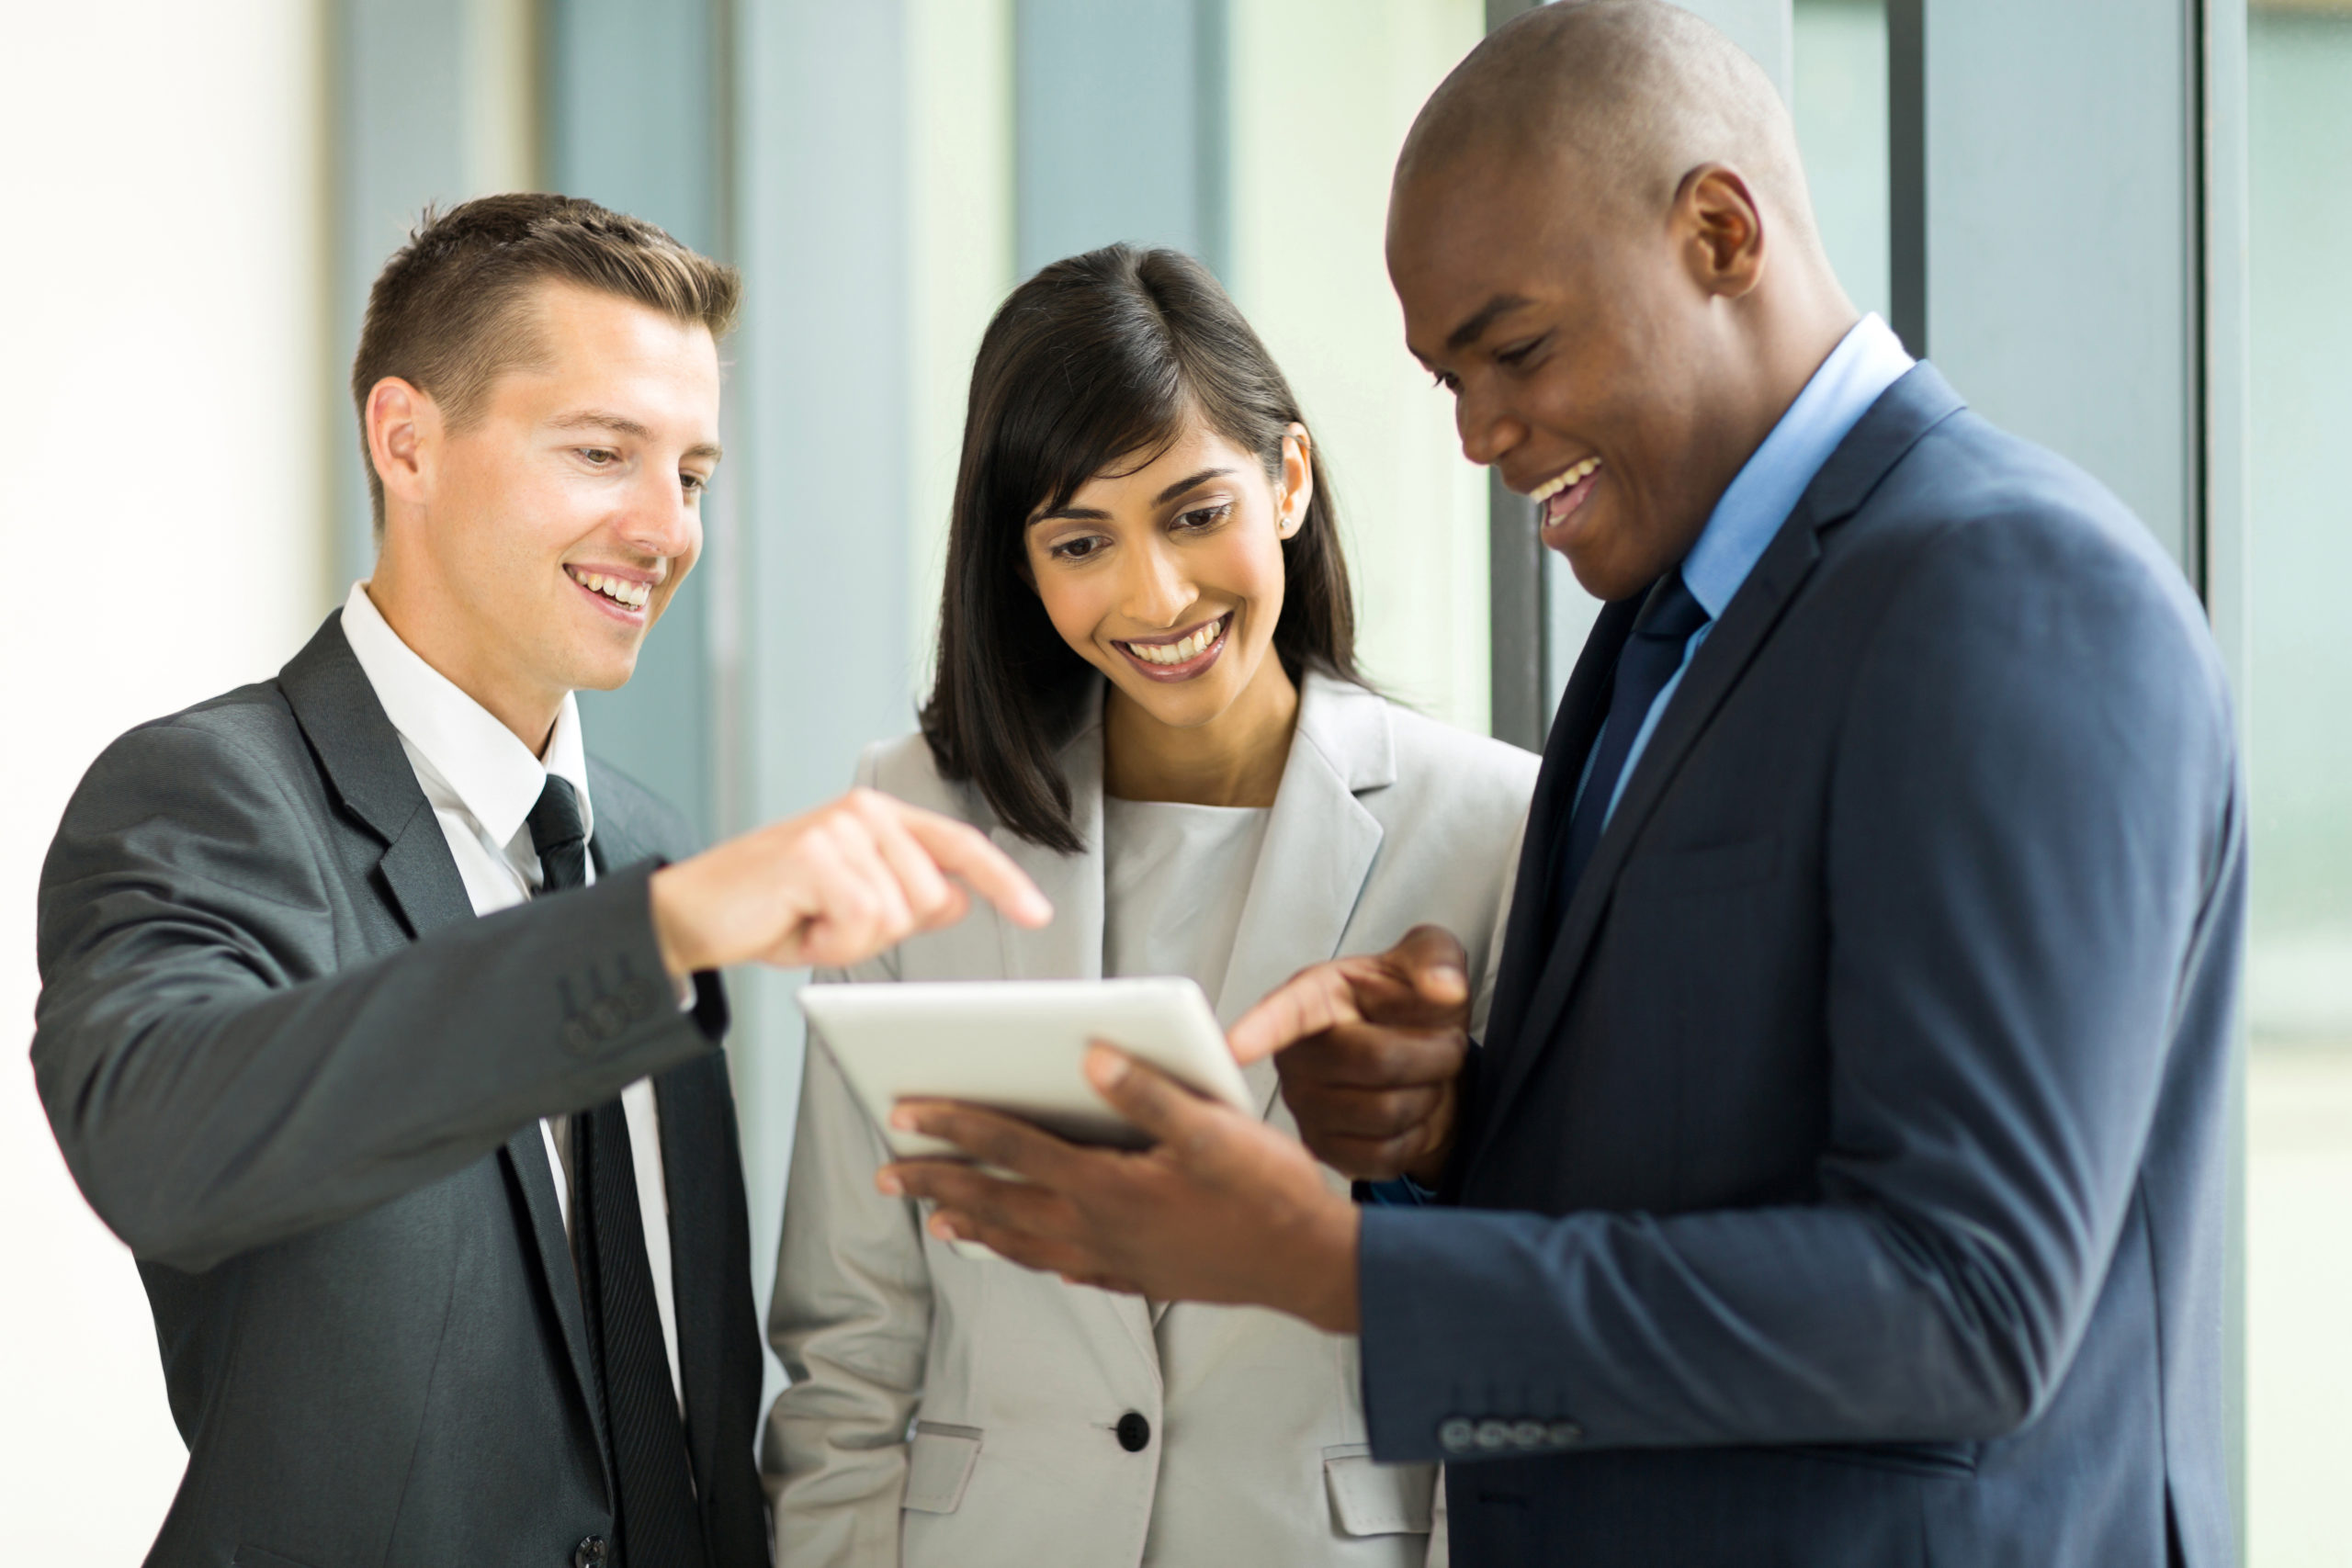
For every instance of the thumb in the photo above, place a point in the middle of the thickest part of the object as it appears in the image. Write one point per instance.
(1431, 960)
(1164, 1109)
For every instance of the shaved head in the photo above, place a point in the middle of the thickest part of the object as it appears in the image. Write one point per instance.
(1632, 94)
(1600, 234)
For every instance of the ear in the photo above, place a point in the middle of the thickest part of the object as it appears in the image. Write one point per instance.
(1721, 227)
(404, 428)
(1297, 486)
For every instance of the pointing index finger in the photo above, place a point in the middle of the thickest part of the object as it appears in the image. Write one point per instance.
(1307, 1003)
(964, 851)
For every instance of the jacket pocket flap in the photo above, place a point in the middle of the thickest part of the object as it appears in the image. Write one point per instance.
(939, 1463)
(1372, 1498)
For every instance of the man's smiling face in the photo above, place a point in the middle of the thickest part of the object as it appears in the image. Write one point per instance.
(1574, 340)
(548, 532)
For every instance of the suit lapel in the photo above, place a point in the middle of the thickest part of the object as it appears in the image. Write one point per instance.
(361, 755)
(527, 1162)
(1583, 706)
(1901, 415)
(1320, 847)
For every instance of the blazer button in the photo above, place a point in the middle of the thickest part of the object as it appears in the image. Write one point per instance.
(1134, 1432)
(591, 1554)
(608, 1017)
(578, 1036)
(1459, 1435)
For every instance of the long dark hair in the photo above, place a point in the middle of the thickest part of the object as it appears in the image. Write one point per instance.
(1100, 356)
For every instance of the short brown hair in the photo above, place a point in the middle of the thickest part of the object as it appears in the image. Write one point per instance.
(447, 316)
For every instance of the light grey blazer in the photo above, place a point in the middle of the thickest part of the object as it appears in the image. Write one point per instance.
(957, 1410)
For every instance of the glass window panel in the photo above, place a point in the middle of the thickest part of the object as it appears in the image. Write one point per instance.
(1840, 110)
(2299, 991)
(1321, 95)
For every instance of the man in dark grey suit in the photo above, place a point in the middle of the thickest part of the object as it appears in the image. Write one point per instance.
(383, 1025)
(1840, 1180)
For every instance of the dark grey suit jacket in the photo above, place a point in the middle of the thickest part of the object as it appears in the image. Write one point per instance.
(295, 1073)
(1842, 1182)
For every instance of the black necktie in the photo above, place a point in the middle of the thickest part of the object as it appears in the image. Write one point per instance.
(656, 1524)
(1648, 660)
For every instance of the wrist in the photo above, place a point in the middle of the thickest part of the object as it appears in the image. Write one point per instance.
(1327, 1279)
(670, 931)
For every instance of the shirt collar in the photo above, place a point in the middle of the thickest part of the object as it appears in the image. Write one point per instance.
(1868, 360)
(492, 773)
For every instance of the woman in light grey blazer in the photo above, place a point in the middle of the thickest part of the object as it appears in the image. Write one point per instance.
(1147, 694)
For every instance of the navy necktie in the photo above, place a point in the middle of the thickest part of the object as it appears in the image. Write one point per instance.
(654, 1516)
(1648, 660)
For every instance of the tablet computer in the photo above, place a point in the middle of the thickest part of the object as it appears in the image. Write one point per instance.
(1018, 1046)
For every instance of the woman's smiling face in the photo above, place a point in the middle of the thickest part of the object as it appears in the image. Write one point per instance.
(1167, 577)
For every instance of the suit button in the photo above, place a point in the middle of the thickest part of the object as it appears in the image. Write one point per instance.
(1528, 1434)
(591, 1554)
(1565, 1434)
(577, 1035)
(1458, 1436)
(1134, 1432)
(1494, 1436)
(608, 1017)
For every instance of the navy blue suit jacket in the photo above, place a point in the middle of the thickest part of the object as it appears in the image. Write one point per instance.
(1841, 1182)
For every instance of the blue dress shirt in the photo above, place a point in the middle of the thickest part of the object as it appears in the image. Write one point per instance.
(1867, 361)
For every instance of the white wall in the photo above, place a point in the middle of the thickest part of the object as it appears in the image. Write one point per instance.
(166, 400)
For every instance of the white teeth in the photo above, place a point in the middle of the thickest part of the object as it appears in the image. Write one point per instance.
(634, 595)
(1562, 480)
(1182, 650)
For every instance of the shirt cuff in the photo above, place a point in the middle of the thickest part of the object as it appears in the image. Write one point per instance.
(1402, 1193)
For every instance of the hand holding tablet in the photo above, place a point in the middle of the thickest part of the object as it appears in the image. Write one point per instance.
(1018, 1046)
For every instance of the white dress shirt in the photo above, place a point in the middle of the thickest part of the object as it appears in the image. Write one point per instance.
(482, 782)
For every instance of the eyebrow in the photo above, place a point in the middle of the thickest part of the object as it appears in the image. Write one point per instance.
(1474, 329)
(621, 424)
(1095, 515)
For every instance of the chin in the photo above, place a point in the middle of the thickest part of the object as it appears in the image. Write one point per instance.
(605, 674)
(1603, 576)
(1180, 707)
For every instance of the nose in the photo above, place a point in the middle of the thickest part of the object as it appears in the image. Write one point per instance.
(1488, 430)
(1157, 590)
(661, 519)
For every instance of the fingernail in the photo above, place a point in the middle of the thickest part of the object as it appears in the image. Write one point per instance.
(888, 1180)
(1448, 975)
(1105, 1066)
(903, 1118)
(941, 1229)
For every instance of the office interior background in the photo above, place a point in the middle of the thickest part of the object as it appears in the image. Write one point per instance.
(2117, 225)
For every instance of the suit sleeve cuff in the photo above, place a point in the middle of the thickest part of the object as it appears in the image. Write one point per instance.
(617, 994)
(1442, 1378)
